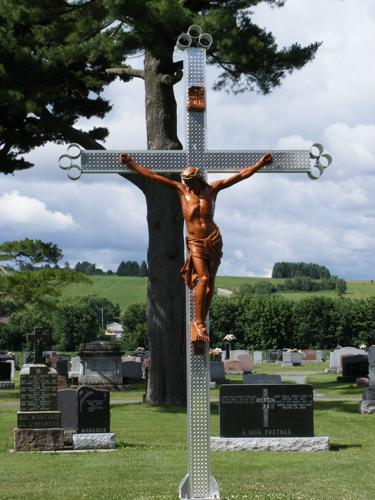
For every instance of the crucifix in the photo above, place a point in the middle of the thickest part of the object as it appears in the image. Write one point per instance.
(37, 337)
(198, 482)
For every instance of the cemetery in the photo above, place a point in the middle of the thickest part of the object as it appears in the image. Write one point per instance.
(229, 395)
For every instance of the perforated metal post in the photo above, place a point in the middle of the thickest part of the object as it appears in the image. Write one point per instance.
(198, 482)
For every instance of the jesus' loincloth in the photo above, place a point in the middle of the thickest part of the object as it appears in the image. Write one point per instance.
(208, 249)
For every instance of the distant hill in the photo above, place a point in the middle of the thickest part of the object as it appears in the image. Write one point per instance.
(124, 290)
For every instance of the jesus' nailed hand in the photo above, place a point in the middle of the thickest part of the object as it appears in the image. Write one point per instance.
(204, 241)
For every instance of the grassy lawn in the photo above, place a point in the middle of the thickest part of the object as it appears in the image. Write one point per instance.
(151, 460)
(151, 456)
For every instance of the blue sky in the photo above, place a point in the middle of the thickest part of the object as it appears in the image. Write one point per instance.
(268, 218)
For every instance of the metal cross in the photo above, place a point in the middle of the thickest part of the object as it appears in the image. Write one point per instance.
(198, 482)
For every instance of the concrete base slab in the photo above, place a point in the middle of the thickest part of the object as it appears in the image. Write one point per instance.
(367, 406)
(94, 441)
(270, 444)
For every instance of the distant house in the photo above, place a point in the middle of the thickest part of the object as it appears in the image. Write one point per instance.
(114, 330)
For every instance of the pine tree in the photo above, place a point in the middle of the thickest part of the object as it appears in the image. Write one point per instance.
(68, 47)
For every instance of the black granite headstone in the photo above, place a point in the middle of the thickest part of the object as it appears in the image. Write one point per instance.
(266, 411)
(261, 378)
(354, 367)
(274, 355)
(5, 371)
(67, 404)
(131, 372)
(93, 410)
(38, 390)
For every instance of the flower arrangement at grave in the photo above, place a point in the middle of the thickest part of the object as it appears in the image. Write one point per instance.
(215, 354)
(229, 337)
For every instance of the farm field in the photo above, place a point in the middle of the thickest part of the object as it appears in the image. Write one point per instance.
(127, 290)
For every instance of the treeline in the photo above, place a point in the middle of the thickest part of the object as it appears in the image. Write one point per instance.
(293, 269)
(300, 283)
(266, 322)
(126, 268)
(73, 321)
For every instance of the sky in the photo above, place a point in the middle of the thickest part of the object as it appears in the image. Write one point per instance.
(265, 219)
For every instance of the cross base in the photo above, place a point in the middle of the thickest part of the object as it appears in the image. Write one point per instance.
(185, 490)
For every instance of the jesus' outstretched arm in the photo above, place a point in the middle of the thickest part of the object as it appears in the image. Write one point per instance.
(243, 174)
(126, 159)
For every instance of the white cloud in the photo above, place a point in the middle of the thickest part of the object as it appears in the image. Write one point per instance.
(19, 210)
(268, 217)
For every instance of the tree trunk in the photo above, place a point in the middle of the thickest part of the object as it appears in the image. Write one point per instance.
(166, 290)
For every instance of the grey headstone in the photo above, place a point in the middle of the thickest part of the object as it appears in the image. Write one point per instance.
(335, 357)
(67, 403)
(371, 366)
(217, 372)
(260, 378)
(258, 357)
(38, 389)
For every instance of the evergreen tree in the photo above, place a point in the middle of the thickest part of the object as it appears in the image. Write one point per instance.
(68, 46)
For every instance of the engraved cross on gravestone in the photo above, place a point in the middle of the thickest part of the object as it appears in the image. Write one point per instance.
(198, 483)
(268, 403)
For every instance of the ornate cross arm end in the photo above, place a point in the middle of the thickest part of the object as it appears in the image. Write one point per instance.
(318, 160)
(66, 162)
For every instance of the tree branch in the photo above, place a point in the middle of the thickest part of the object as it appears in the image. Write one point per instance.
(68, 132)
(126, 72)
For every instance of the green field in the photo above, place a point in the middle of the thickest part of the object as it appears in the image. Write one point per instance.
(128, 290)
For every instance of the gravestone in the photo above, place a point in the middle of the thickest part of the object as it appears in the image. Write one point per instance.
(274, 355)
(367, 405)
(132, 372)
(266, 411)
(217, 372)
(67, 404)
(335, 357)
(232, 367)
(354, 367)
(75, 369)
(292, 358)
(260, 378)
(93, 410)
(61, 363)
(246, 361)
(309, 355)
(38, 421)
(6, 374)
(235, 353)
(258, 357)
(101, 364)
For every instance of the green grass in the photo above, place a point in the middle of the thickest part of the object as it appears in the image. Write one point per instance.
(128, 290)
(151, 460)
(119, 290)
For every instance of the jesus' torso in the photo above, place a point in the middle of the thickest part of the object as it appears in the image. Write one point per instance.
(198, 208)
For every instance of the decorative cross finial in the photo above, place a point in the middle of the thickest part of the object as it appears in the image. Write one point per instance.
(194, 37)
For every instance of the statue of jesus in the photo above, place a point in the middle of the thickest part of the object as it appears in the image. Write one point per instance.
(204, 241)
